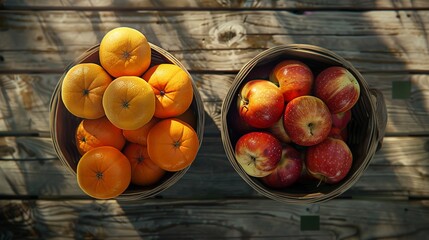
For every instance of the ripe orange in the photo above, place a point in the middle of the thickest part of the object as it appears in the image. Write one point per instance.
(144, 171)
(82, 90)
(172, 144)
(103, 172)
(129, 102)
(140, 134)
(92, 133)
(125, 52)
(172, 87)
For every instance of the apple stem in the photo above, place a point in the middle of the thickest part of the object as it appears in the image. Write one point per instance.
(253, 158)
(311, 125)
(321, 179)
(245, 101)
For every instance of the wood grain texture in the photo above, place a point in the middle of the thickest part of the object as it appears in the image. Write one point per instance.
(197, 219)
(24, 105)
(219, 41)
(192, 4)
(386, 40)
(24, 101)
(399, 169)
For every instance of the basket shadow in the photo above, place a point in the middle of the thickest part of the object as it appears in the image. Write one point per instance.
(32, 154)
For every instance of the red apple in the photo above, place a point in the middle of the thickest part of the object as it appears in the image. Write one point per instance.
(260, 103)
(338, 133)
(237, 124)
(341, 119)
(306, 178)
(288, 170)
(293, 77)
(329, 161)
(338, 88)
(307, 120)
(278, 130)
(258, 153)
(335, 133)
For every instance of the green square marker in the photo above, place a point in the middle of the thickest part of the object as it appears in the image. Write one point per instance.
(401, 89)
(310, 223)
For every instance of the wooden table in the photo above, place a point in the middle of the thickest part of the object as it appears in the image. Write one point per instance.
(386, 40)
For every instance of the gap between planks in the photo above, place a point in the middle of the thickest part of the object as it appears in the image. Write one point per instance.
(192, 5)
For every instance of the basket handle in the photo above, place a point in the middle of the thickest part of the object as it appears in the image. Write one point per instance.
(381, 115)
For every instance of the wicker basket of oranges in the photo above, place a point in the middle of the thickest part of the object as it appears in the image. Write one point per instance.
(126, 118)
(300, 124)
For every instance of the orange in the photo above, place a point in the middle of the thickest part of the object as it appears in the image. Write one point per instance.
(129, 102)
(144, 171)
(140, 134)
(125, 52)
(82, 90)
(103, 172)
(92, 133)
(172, 144)
(172, 87)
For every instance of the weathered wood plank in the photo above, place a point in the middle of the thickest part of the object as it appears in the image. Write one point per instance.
(35, 157)
(399, 169)
(396, 151)
(219, 41)
(24, 100)
(202, 219)
(192, 4)
(403, 151)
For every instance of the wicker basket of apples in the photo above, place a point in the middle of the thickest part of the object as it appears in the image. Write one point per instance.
(300, 124)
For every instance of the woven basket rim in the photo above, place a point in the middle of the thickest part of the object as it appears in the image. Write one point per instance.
(278, 195)
(175, 176)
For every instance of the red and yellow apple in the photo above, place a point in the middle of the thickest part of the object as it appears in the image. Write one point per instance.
(293, 77)
(307, 120)
(338, 88)
(260, 103)
(288, 170)
(258, 153)
(329, 161)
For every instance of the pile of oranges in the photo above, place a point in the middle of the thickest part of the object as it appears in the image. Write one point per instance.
(137, 122)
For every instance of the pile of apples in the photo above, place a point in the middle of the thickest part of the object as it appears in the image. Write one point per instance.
(294, 124)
